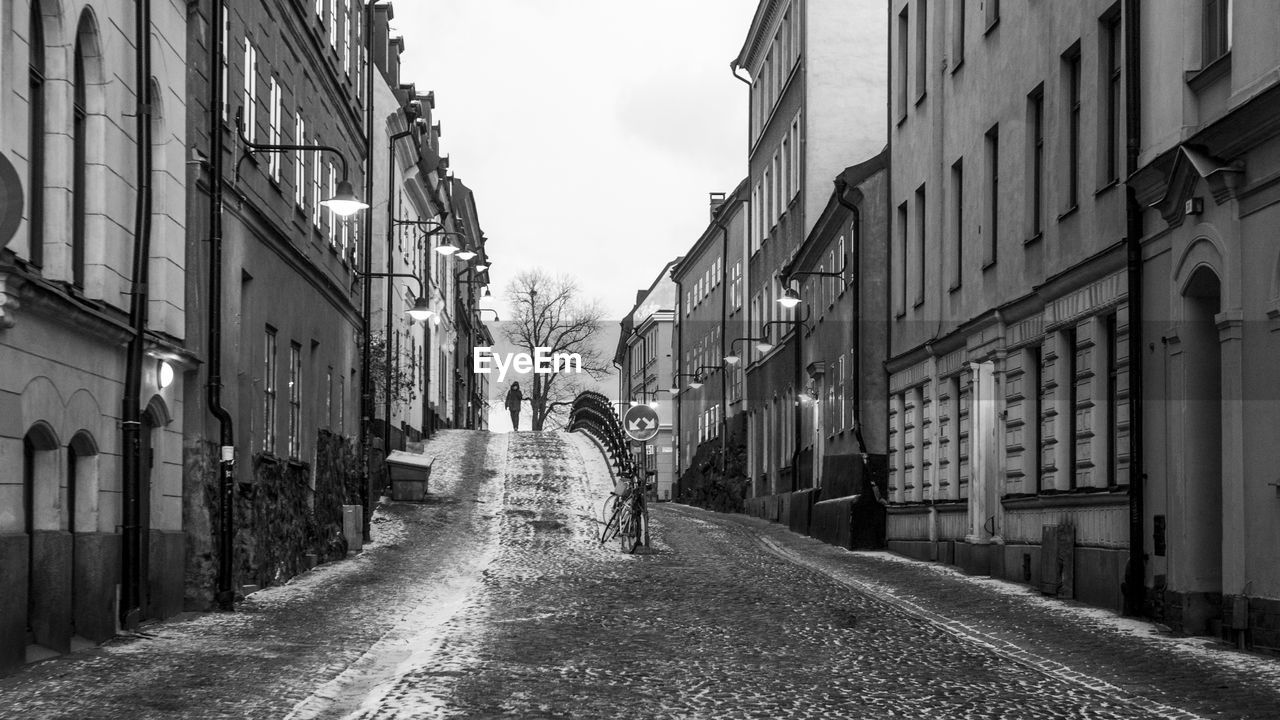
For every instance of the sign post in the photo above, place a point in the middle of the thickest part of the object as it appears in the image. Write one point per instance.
(641, 424)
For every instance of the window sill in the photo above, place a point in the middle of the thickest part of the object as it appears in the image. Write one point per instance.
(1200, 79)
(1111, 185)
(955, 287)
(1069, 212)
(987, 265)
(957, 67)
(1033, 239)
(902, 118)
(991, 28)
(921, 98)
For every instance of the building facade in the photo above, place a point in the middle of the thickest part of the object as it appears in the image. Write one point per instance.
(1210, 277)
(808, 118)
(643, 359)
(70, 85)
(289, 321)
(710, 323)
(1009, 311)
(844, 340)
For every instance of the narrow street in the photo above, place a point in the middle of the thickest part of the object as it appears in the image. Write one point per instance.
(493, 599)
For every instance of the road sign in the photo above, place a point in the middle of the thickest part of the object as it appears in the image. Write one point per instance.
(641, 423)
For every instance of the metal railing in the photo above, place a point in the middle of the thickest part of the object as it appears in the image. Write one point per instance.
(593, 414)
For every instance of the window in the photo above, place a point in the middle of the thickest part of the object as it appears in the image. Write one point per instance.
(35, 138)
(957, 34)
(250, 91)
(839, 419)
(1068, 412)
(900, 277)
(316, 167)
(1035, 113)
(342, 400)
(295, 400)
(993, 196)
(1115, 426)
(346, 39)
(333, 24)
(1072, 76)
(904, 27)
(921, 233)
(79, 160)
(269, 392)
(299, 162)
(957, 216)
(991, 13)
(328, 400)
(922, 47)
(332, 177)
(275, 115)
(1112, 100)
(795, 156)
(1031, 418)
(1217, 30)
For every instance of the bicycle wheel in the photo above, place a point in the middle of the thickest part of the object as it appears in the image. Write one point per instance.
(631, 532)
(611, 526)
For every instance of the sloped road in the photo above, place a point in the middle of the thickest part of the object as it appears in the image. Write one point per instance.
(496, 601)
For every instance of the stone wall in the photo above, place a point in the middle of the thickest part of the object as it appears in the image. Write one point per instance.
(283, 526)
(704, 486)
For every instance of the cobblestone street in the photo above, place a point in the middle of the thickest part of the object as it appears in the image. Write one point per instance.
(493, 599)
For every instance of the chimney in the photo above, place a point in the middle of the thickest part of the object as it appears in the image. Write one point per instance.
(382, 15)
(717, 199)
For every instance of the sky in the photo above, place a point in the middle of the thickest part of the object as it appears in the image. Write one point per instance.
(591, 131)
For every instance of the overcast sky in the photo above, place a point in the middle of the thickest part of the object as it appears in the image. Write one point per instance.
(590, 131)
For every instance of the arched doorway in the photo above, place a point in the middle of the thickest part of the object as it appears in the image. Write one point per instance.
(81, 521)
(1199, 569)
(48, 576)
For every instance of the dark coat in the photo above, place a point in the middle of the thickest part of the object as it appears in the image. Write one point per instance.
(514, 398)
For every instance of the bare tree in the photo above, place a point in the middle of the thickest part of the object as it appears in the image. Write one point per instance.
(548, 312)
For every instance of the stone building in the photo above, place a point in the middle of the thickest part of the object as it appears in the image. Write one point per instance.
(710, 324)
(1009, 358)
(839, 287)
(289, 319)
(84, 544)
(813, 66)
(643, 359)
(1211, 317)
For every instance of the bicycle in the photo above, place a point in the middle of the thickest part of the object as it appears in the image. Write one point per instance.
(628, 518)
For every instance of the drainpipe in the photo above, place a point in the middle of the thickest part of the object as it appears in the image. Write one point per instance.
(366, 392)
(724, 323)
(213, 387)
(131, 417)
(391, 182)
(679, 397)
(1135, 575)
(856, 370)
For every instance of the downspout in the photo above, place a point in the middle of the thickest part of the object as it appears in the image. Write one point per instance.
(746, 267)
(1135, 572)
(856, 369)
(213, 388)
(679, 397)
(366, 389)
(131, 415)
(724, 324)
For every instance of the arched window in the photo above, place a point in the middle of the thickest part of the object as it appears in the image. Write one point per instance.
(79, 156)
(35, 154)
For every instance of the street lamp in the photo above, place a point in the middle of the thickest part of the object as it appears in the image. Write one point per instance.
(421, 310)
(344, 202)
(733, 358)
(790, 298)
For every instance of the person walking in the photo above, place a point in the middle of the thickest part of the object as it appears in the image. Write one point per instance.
(514, 398)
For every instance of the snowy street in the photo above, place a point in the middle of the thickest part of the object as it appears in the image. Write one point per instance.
(493, 599)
